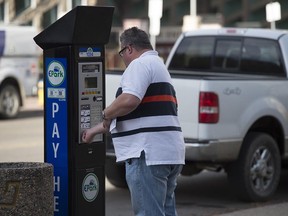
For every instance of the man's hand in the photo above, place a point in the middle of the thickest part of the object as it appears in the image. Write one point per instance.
(102, 127)
(88, 135)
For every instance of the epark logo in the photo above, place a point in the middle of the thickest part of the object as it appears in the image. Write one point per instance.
(56, 73)
(90, 187)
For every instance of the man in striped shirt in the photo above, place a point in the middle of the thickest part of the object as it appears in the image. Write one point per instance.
(144, 126)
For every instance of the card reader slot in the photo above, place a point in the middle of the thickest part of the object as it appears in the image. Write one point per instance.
(86, 98)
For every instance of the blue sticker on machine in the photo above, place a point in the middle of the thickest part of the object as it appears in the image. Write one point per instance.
(89, 52)
(56, 141)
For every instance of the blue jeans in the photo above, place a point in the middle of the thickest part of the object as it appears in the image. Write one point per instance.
(152, 187)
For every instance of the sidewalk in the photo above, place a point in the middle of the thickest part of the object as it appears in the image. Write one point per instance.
(270, 210)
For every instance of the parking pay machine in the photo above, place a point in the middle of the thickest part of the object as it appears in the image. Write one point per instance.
(74, 89)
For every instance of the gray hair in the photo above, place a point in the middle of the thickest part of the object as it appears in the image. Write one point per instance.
(135, 37)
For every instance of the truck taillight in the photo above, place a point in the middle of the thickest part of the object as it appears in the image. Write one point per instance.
(208, 107)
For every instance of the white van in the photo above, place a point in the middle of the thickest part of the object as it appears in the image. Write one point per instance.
(19, 67)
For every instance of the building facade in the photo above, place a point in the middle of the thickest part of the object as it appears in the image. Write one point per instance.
(227, 13)
(42, 13)
(249, 13)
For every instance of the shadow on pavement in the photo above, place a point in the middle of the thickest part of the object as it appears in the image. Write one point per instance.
(30, 113)
(26, 114)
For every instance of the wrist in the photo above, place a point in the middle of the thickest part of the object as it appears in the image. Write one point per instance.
(104, 116)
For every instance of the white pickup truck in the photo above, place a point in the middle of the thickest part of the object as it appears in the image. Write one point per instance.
(232, 92)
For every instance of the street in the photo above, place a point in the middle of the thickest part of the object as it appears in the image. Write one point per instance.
(204, 194)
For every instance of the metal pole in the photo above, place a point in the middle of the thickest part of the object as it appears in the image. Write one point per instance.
(273, 25)
(193, 7)
(153, 41)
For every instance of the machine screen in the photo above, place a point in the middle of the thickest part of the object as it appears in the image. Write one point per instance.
(90, 68)
(90, 82)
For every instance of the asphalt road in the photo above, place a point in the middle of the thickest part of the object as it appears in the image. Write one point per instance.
(205, 194)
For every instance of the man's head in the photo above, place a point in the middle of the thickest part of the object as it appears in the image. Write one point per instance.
(134, 42)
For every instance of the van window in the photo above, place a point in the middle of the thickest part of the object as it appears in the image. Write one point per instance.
(229, 55)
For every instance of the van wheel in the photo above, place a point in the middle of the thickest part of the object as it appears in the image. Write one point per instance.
(255, 175)
(9, 102)
(115, 173)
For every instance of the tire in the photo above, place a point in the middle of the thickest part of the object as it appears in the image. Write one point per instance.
(115, 173)
(9, 102)
(255, 175)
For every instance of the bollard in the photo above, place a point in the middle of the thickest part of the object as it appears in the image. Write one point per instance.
(26, 188)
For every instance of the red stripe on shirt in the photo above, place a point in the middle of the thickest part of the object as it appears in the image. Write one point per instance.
(159, 98)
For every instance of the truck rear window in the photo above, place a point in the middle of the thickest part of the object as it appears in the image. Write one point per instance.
(229, 55)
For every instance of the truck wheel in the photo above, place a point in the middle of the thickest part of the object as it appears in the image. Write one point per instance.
(255, 175)
(115, 173)
(9, 102)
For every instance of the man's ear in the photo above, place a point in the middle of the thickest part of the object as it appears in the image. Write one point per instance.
(130, 49)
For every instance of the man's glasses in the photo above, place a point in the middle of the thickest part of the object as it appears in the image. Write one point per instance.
(122, 50)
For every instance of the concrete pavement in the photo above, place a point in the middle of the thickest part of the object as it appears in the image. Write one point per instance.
(280, 209)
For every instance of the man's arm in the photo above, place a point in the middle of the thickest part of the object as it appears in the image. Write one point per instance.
(122, 105)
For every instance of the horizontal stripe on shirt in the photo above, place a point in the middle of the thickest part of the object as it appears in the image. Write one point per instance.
(146, 122)
(151, 109)
(159, 98)
(145, 130)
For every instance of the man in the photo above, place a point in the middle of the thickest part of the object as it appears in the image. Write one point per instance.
(144, 126)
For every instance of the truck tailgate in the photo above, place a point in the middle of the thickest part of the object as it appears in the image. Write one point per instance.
(187, 92)
(112, 84)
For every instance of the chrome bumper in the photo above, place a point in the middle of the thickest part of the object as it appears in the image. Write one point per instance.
(212, 150)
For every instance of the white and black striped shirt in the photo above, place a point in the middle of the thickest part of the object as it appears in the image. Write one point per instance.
(153, 126)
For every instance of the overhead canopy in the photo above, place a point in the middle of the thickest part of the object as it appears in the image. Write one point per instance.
(82, 25)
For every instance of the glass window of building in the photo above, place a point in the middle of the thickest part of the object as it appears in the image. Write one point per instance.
(21, 5)
(1, 11)
(49, 17)
(76, 3)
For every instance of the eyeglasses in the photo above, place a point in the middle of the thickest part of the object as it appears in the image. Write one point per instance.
(122, 50)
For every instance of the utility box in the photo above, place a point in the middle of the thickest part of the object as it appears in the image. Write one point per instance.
(74, 97)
